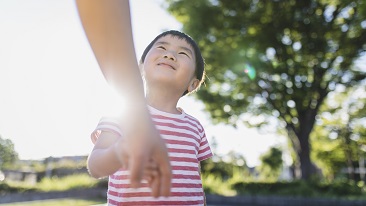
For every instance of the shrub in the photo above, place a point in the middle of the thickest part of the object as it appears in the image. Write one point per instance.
(66, 183)
(300, 188)
(9, 188)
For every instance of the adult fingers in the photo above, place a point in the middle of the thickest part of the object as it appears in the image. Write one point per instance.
(165, 171)
(166, 180)
(151, 170)
(155, 185)
(137, 162)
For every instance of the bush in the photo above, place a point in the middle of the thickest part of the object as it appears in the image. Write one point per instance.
(75, 181)
(343, 188)
(300, 188)
(6, 188)
(295, 188)
(215, 185)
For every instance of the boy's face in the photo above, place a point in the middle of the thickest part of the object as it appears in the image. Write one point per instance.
(170, 62)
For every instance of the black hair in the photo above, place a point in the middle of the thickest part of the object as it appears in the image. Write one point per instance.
(200, 62)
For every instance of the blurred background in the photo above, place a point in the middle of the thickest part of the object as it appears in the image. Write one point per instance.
(282, 106)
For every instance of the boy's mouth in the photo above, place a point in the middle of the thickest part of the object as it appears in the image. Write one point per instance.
(167, 65)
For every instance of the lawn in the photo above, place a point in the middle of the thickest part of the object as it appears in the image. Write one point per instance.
(58, 202)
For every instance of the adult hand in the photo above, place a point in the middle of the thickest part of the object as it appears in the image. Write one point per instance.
(142, 144)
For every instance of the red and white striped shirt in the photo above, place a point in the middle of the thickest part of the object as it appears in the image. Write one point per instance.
(187, 146)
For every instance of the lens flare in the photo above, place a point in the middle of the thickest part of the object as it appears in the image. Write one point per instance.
(250, 71)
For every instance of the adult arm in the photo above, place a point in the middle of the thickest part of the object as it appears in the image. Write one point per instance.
(107, 25)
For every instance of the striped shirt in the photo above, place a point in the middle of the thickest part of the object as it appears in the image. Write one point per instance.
(187, 145)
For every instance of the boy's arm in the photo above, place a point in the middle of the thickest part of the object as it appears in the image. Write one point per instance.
(103, 160)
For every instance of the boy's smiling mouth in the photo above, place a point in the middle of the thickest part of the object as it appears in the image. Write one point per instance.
(166, 65)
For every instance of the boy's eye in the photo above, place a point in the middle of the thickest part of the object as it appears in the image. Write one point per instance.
(161, 47)
(184, 53)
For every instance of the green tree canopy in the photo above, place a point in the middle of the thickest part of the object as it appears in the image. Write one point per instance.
(340, 132)
(7, 153)
(274, 62)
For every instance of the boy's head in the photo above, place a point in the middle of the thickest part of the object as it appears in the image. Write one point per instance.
(199, 63)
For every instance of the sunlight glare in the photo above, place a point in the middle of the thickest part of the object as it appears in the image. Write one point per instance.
(250, 71)
(114, 104)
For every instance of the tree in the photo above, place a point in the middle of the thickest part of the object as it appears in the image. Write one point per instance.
(225, 167)
(273, 63)
(272, 163)
(339, 134)
(7, 153)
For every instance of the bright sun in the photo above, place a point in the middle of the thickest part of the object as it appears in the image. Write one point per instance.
(114, 104)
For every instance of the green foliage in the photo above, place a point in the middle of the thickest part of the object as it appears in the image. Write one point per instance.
(27, 165)
(299, 55)
(218, 175)
(338, 137)
(66, 183)
(213, 184)
(7, 153)
(10, 188)
(65, 163)
(57, 166)
(271, 166)
(238, 184)
(301, 188)
(76, 181)
(225, 169)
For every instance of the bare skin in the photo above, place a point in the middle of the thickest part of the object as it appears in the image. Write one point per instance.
(107, 25)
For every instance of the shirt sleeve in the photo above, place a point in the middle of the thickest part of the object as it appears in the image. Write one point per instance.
(106, 124)
(204, 151)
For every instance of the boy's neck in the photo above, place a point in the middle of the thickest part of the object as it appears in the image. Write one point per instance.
(165, 103)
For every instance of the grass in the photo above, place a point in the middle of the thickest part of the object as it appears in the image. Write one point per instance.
(76, 181)
(58, 202)
(237, 184)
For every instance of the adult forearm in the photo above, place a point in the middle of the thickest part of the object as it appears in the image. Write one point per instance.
(107, 25)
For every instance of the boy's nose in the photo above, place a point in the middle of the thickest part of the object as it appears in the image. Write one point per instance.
(169, 55)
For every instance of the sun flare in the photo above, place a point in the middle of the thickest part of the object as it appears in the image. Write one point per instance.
(114, 104)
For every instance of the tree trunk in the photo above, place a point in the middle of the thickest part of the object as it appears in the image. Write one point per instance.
(304, 156)
(348, 154)
(301, 145)
(306, 126)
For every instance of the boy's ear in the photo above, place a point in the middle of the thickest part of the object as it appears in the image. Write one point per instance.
(193, 85)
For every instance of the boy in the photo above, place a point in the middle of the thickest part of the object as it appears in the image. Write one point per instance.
(171, 66)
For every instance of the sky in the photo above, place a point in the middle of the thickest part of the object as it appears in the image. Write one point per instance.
(52, 93)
